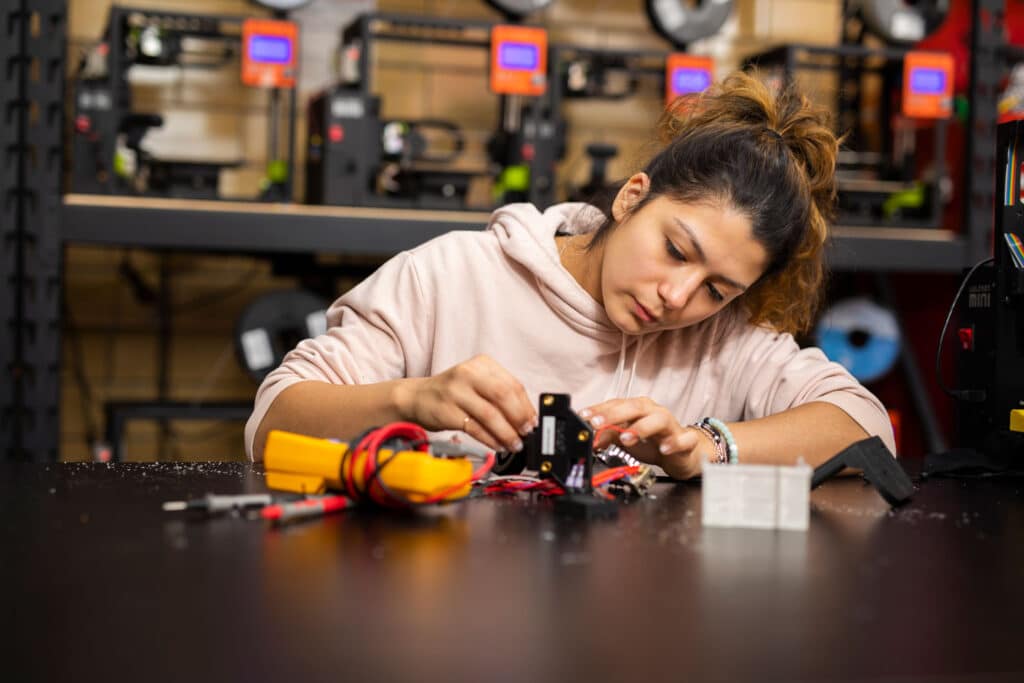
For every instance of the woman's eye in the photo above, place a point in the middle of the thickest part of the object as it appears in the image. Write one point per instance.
(715, 294)
(673, 252)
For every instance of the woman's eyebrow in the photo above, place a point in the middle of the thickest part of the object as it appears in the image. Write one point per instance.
(695, 243)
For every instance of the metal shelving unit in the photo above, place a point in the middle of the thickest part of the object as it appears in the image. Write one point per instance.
(254, 227)
(31, 133)
(10, 220)
(988, 59)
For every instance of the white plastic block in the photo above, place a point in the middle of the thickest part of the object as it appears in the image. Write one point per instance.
(757, 496)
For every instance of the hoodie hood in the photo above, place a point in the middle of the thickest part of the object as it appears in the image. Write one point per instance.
(527, 236)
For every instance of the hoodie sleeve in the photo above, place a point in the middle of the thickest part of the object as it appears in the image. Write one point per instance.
(780, 375)
(378, 331)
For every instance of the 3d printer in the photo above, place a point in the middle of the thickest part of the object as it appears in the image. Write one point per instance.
(886, 101)
(108, 151)
(880, 175)
(603, 74)
(357, 157)
(991, 332)
(587, 74)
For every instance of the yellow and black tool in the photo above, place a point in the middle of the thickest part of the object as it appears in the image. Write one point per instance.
(309, 465)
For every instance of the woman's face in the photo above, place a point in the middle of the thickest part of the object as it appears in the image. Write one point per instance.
(672, 264)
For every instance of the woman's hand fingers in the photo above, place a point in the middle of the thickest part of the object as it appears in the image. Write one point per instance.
(641, 418)
(617, 411)
(480, 398)
(487, 423)
(680, 443)
(507, 394)
(650, 433)
(652, 427)
(683, 454)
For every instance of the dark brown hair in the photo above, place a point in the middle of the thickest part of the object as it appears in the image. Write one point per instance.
(770, 155)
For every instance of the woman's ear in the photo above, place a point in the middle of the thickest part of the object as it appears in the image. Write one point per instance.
(630, 194)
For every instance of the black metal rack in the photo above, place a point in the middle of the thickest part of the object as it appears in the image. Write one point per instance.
(30, 133)
(11, 50)
(988, 60)
(252, 227)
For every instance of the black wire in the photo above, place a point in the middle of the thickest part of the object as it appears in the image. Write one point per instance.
(394, 444)
(973, 395)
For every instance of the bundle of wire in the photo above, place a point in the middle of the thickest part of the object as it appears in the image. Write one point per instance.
(550, 487)
(361, 466)
(555, 487)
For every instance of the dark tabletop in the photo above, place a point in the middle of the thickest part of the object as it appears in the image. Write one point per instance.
(103, 584)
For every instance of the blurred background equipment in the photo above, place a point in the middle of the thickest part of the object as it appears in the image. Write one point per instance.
(682, 22)
(861, 336)
(584, 75)
(274, 324)
(990, 386)
(608, 75)
(282, 5)
(686, 74)
(518, 9)
(894, 105)
(357, 157)
(110, 154)
(900, 22)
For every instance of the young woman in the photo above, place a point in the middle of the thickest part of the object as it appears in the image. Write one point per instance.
(677, 304)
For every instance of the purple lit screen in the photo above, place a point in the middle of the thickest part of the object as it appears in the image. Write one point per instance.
(928, 81)
(270, 49)
(690, 80)
(518, 56)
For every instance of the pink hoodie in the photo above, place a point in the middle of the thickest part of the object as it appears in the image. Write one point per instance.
(503, 292)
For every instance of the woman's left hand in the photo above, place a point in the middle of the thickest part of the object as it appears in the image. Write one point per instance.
(651, 434)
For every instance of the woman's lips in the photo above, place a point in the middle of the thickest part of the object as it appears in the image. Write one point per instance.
(642, 312)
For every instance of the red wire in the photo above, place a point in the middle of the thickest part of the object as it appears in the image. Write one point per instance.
(614, 428)
(613, 474)
(378, 438)
(476, 476)
(546, 487)
(368, 447)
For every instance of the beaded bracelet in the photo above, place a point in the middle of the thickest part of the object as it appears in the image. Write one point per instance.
(723, 430)
(721, 450)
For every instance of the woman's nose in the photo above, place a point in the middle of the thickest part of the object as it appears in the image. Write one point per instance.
(676, 290)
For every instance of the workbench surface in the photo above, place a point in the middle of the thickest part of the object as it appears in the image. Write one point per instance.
(106, 585)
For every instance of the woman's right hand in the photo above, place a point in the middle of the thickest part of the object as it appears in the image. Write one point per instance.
(478, 397)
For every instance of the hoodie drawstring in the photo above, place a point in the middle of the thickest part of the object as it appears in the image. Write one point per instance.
(632, 371)
(620, 369)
